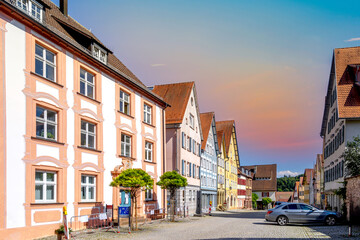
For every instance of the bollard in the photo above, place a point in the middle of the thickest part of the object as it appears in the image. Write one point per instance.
(66, 235)
(350, 230)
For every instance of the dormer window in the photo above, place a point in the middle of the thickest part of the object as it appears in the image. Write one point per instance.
(31, 7)
(99, 53)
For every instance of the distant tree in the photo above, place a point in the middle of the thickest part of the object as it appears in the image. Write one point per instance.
(287, 183)
(254, 199)
(266, 201)
(133, 180)
(171, 181)
(351, 157)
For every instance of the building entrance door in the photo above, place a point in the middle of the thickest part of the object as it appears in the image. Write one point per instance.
(125, 200)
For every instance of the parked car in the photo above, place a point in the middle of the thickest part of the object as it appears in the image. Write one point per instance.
(278, 203)
(300, 213)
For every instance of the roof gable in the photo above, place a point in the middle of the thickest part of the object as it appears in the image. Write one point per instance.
(221, 142)
(177, 95)
(208, 126)
(343, 73)
(308, 175)
(228, 127)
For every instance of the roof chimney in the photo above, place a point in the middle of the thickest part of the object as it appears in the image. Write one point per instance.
(64, 7)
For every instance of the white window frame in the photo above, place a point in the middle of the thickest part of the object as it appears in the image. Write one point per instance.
(149, 194)
(124, 144)
(87, 83)
(27, 6)
(124, 100)
(149, 151)
(147, 113)
(87, 134)
(44, 183)
(47, 122)
(45, 62)
(191, 120)
(99, 53)
(87, 185)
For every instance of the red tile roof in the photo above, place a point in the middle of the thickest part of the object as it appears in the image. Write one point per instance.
(347, 92)
(206, 120)
(177, 95)
(227, 128)
(283, 196)
(264, 171)
(343, 70)
(62, 26)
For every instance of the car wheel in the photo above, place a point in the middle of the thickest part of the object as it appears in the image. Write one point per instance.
(330, 220)
(282, 220)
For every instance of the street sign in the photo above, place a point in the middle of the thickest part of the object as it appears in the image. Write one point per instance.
(124, 211)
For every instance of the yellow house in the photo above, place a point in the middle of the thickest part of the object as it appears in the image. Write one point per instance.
(232, 162)
(221, 170)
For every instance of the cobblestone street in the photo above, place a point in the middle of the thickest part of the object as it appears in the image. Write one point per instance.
(229, 225)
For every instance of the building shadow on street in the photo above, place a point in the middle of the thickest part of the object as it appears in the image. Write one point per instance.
(250, 238)
(234, 214)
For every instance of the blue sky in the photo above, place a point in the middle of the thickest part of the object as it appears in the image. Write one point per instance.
(264, 64)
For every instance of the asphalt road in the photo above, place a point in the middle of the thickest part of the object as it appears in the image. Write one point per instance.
(243, 225)
(228, 225)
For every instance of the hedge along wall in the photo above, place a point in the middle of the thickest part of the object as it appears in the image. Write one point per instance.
(353, 199)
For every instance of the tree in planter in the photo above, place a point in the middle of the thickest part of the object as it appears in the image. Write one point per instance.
(266, 201)
(171, 181)
(254, 198)
(134, 180)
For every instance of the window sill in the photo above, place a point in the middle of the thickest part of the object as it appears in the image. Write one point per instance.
(92, 99)
(122, 156)
(90, 149)
(126, 115)
(87, 202)
(48, 80)
(47, 140)
(151, 162)
(50, 203)
(149, 124)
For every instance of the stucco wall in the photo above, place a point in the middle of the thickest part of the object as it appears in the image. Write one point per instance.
(353, 199)
(23, 152)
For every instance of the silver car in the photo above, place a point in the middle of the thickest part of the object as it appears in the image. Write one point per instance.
(300, 213)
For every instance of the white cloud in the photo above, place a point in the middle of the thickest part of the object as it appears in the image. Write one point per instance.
(353, 39)
(158, 64)
(287, 173)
